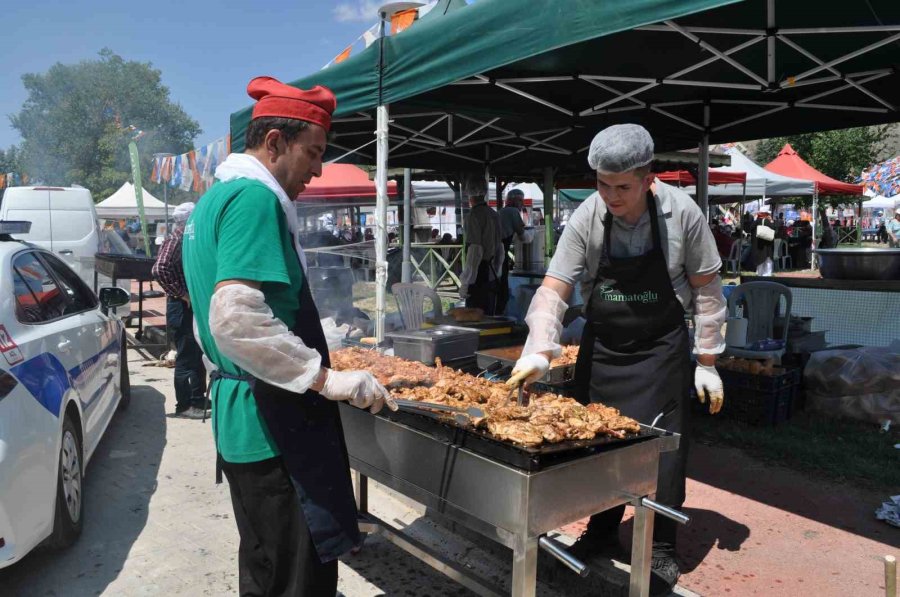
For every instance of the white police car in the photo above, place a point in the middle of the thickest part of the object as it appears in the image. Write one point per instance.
(63, 374)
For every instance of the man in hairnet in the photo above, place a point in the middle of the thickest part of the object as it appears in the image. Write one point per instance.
(190, 374)
(645, 257)
(480, 279)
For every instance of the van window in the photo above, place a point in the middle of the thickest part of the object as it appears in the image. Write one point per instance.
(38, 298)
(71, 226)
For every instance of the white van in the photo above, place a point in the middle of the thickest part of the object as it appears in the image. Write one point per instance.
(63, 221)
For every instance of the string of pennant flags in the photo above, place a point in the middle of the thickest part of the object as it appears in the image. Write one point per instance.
(400, 21)
(194, 170)
(883, 178)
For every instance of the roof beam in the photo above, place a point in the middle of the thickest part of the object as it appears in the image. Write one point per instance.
(677, 118)
(715, 30)
(860, 29)
(788, 81)
(421, 133)
(785, 106)
(844, 108)
(351, 151)
(527, 95)
(722, 55)
(841, 88)
(835, 71)
(477, 130)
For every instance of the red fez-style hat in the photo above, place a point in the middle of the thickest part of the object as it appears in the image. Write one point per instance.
(274, 98)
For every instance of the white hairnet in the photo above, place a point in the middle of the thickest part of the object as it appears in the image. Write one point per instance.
(183, 212)
(897, 211)
(620, 148)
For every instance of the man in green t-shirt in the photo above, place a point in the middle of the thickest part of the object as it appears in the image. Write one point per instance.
(274, 414)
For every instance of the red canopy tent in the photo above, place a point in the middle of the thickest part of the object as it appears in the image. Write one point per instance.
(789, 163)
(685, 178)
(342, 181)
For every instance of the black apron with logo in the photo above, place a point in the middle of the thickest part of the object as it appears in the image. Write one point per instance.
(634, 351)
(307, 430)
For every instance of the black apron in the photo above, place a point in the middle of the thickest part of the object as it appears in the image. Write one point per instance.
(634, 351)
(307, 430)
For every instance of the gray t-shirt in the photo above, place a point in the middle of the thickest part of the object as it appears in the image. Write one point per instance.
(511, 222)
(687, 242)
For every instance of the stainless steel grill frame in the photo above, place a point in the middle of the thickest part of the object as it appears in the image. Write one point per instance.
(508, 505)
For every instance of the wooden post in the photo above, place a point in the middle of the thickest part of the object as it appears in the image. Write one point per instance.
(890, 576)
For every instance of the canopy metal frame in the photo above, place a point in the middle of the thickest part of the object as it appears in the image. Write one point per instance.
(425, 132)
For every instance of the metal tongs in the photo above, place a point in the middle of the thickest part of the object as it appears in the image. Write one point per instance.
(518, 381)
(461, 415)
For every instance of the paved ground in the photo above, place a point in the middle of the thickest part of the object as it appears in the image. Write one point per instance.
(157, 524)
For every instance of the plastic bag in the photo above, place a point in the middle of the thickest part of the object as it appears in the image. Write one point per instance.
(334, 333)
(860, 383)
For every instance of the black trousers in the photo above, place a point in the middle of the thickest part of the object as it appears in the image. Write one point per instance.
(276, 555)
(190, 374)
(483, 293)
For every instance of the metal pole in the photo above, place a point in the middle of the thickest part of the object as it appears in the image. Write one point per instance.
(771, 74)
(703, 169)
(165, 192)
(815, 214)
(406, 272)
(548, 215)
(381, 199)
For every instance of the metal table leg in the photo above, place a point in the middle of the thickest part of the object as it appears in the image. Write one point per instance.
(524, 576)
(642, 544)
(362, 492)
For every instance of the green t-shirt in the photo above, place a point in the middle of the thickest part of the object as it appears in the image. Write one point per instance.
(238, 231)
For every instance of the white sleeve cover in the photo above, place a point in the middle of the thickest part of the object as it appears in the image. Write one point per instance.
(248, 333)
(710, 313)
(544, 321)
(474, 254)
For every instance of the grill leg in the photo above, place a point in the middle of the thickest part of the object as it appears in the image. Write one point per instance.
(642, 544)
(362, 492)
(524, 576)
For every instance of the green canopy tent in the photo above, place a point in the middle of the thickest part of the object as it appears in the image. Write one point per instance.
(521, 87)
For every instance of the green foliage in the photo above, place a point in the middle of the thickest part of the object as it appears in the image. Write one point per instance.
(77, 122)
(9, 160)
(841, 154)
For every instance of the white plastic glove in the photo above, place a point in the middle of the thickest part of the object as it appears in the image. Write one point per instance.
(359, 388)
(529, 369)
(707, 381)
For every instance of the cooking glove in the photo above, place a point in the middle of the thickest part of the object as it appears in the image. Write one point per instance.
(529, 369)
(359, 388)
(707, 381)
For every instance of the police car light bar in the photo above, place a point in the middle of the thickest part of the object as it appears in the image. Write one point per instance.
(14, 227)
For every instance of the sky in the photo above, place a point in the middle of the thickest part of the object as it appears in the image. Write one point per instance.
(207, 50)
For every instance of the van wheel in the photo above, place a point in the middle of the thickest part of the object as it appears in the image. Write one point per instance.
(67, 521)
(124, 378)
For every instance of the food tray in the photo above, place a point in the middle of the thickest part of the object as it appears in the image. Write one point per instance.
(446, 342)
(508, 356)
(529, 459)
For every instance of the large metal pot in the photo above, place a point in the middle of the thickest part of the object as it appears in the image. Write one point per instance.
(860, 263)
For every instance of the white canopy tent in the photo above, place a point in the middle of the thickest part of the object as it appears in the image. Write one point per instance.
(760, 182)
(877, 201)
(123, 204)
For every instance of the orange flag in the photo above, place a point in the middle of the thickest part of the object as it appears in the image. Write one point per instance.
(403, 19)
(343, 55)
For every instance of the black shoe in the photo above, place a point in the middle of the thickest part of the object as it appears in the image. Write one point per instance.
(664, 574)
(192, 412)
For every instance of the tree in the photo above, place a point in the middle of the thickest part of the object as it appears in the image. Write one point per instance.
(841, 154)
(79, 118)
(9, 160)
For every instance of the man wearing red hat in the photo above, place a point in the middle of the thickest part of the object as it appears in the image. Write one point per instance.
(274, 399)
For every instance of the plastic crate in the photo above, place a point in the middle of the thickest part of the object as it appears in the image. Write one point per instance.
(759, 399)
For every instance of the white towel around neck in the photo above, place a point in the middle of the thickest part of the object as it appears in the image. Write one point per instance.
(243, 165)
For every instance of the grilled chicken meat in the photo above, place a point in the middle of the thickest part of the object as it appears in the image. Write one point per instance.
(548, 418)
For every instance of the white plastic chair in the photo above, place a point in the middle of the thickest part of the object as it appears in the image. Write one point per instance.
(411, 303)
(781, 257)
(761, 302)
(733, 262)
